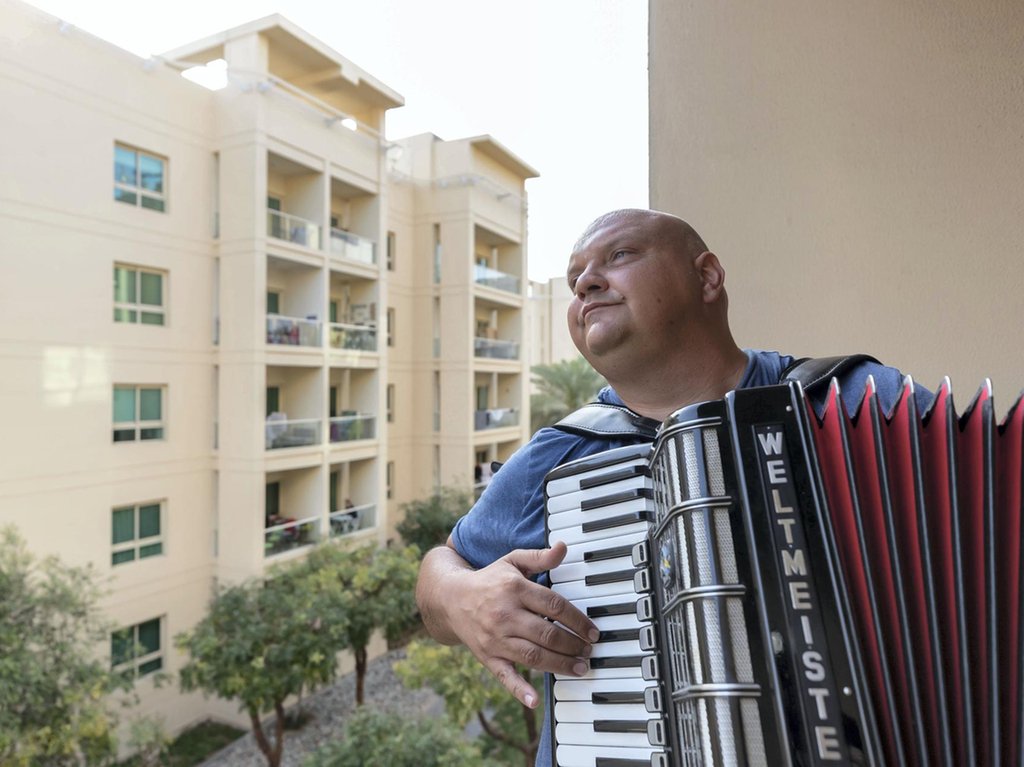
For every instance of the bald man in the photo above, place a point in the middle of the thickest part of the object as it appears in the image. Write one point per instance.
(650, 313)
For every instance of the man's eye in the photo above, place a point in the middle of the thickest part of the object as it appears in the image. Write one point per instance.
(619, 254)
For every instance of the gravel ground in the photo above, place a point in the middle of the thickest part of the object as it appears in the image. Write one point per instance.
(329, 707)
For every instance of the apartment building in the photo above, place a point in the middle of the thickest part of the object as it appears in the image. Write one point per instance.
(238, 322)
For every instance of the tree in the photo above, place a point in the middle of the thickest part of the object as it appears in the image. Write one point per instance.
(562, 388)
(379, 583)
(374, 737)
(470, 691)
(263, 641)
(428, 522)
(54, 708)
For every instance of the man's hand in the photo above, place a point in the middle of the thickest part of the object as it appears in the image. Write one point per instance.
(499, 614)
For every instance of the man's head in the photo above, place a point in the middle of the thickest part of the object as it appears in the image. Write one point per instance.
(645, 290)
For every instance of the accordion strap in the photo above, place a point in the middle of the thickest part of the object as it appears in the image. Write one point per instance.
(600, 419)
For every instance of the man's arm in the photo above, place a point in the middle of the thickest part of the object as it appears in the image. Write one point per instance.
(499, 614)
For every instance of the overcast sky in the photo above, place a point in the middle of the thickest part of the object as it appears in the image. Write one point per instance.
(561, 83)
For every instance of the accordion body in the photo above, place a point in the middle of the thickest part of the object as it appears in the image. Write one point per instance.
(778, 587)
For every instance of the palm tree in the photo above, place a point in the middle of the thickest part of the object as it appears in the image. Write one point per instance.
(562, 387)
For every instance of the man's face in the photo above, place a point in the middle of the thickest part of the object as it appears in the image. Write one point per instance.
(633, 290)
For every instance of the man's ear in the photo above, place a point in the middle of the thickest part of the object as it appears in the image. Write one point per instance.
(712, 276)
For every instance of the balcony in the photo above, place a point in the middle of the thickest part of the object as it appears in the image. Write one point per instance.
(353, 519)
(495, 418)
(347, 245)
(494, 349)
(281, 433)
(285, 226)
(492, 278)
(353, 426)
(288, 534)
(362, 338)
(292, 331)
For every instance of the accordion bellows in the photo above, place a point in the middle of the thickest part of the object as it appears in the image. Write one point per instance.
(774, 586)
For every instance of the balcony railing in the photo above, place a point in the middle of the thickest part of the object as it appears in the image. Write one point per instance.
(362, 338)
(285, 226)
(353, 519)
(281, 432)
(495, 349)
(292, 331)
(288, 534)
(346, 428)
(353, 247)
(495, 418)
(492, 278)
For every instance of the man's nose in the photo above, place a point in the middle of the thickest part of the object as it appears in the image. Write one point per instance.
(590, 281)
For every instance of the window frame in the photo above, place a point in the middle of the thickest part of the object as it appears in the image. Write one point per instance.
(137, 543)
(138, 425)
(138, 308)
(136, 189)
(391, 243)
(131, 665)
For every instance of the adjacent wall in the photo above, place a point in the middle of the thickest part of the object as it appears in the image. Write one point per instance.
(859, 168)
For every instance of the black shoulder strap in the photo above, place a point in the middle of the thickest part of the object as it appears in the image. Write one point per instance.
(599, 419)
(813, 372)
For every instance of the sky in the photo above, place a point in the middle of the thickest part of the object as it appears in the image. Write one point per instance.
(561, 83)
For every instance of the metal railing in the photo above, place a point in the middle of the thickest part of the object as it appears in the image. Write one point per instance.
(281, 432)
(347, 428)
(285, 226)
(353, 519)
(362, 338)
(499, 192)
(353, 247)
(495, 349)
(290, 534)
(292, 331)
(495, 418)
(492, 278)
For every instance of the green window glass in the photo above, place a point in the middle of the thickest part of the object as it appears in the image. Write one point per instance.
(136, 532)
(149, 404)
(149, 637)
(152, 289)
(124, 404)
(123, 525)
(273, 301)
(149, 520)
(122, 645)
(273, 399)
(334, 491)
(140, 290)
(124, 285)
(273, 501)
(333, 311)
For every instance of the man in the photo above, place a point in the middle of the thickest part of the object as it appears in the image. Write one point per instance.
(650, 313)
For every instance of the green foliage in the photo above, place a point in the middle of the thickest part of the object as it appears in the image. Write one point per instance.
(149, 741)
(427, 523)
(54, 708)
(374, 737)
(511, 731)
(562, 387)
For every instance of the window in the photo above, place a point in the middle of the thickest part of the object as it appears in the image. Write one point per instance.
(138, 413)
(333, 487)
(136, 532)
(272, 506)
(273, 302)
(390, 395)
(135, 651)
(273, 399)
(391, 478)
(391, 327)
(391, 251)
(140, 178)
(139, 295)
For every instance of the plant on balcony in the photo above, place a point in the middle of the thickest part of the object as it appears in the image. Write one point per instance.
(53, 704)
(511, 730)
(263, 641)
(562, 387)
(427, 522)
(377, 587)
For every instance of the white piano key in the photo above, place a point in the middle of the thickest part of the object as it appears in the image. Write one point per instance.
(585, 711)
(605, 673)
(587, 756)
(571, 483)
(577, 517)
(573, 590)
(579, 570)
(615, 622)
(585, 735)
(583, 689)
(576, 498)
(573, 535)
(616, 649)
(576, 552)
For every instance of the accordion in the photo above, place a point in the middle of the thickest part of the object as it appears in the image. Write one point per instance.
(775, 587)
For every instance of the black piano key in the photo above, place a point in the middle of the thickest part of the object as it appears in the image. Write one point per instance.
(622, 661)
(624, 519)
(615, 576)
(615, 498)
(620, 635)
(632, 696)
(620, 725)
(626, 472)
(622, 608)
(612, 552)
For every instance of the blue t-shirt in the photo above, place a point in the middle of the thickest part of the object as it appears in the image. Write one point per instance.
(510, 513)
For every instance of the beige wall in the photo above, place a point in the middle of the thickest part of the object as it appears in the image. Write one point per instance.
(859, 168)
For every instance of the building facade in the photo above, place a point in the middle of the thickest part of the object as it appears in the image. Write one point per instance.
(270, 325)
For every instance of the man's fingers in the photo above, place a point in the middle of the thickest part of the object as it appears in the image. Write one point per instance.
(548, 604)
(513, 681)
(536, 561)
